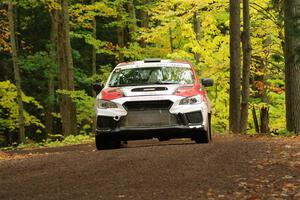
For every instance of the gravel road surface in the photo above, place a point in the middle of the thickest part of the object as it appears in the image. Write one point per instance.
(231, 167)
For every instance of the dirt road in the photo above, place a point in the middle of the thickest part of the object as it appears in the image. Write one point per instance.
(228, 168)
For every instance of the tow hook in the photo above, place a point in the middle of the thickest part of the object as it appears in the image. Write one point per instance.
(117, 118)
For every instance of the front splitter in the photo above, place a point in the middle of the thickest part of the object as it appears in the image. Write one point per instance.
(136, 133)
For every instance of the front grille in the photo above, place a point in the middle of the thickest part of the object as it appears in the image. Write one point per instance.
(148, 114)
(148, 118)
(194, 117)
(147, 105)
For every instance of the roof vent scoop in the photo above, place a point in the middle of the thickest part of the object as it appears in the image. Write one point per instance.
(150, 60)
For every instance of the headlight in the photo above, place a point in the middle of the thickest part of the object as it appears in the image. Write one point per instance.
(191, 100)
(103, 104)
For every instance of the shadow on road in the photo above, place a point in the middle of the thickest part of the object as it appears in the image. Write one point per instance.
(155, 143)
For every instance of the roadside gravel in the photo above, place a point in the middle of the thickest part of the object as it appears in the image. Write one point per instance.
(231, 167)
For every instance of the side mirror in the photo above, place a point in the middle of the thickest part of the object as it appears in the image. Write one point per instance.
(98, 87)
(207, 82)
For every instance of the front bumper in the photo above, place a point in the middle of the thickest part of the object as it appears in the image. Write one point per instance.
(148, 117)
(148, 126)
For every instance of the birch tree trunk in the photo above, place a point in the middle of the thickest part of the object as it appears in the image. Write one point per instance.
(21, 136)
(235, 67)
(292, 64)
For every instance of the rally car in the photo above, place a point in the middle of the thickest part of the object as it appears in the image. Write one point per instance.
(152, 98)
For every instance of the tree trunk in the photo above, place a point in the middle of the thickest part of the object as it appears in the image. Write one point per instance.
(21, 136)
(49, 107)
(235, 67)
(264, 120)
(67, 107)
(132, 20)
(120, 32)
(51, 83)
(144, 22)
(246, 66)
(94, 65)
(4, 141)
(171, 40)
(264, 111)
(255, 121)
(94, 55)
(197, 30)
(292, 64)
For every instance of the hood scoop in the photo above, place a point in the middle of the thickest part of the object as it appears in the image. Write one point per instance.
(149, 89)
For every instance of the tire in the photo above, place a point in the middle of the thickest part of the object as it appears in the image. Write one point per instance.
(162, 139)
(202, 137)
(209, 127)
(205, 136)
(107, 142)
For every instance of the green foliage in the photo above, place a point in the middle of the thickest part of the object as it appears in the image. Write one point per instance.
(41, 69)
(41, 61)
(282, 132)
(69, 140)
(84, 109)
(82, 16)
(9, 108)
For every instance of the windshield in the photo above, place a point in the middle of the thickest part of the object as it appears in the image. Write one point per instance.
(151, 75)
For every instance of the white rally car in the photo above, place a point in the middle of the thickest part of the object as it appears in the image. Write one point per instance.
(152, 99)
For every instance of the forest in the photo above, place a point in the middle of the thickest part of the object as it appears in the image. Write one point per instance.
(52, 51)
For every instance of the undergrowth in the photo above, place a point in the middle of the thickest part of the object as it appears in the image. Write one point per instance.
(58, 142)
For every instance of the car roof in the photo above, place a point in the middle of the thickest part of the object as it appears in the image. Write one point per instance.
(154, 62)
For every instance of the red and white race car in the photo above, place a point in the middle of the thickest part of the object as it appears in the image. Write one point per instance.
(152, 99)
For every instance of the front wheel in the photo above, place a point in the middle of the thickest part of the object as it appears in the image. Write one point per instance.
(202, 137)
(106, 142)
(205, 136)
(162, 139)
(209, 127)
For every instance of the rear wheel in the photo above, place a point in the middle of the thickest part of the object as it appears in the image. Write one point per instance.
(107, 142)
